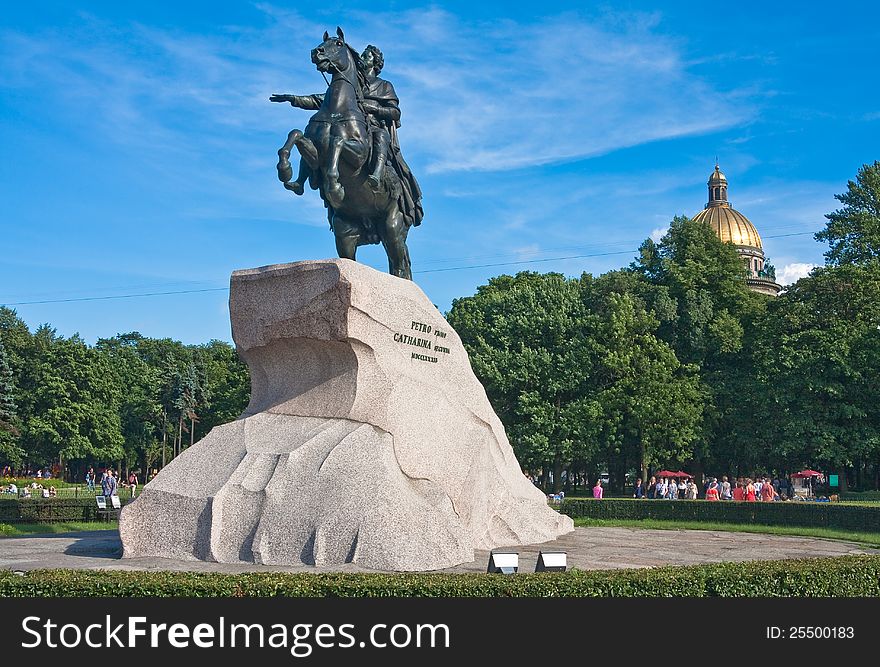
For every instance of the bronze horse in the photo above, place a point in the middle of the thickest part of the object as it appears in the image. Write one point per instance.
(335, 150)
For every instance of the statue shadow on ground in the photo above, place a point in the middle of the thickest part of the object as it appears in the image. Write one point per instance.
(94, 544)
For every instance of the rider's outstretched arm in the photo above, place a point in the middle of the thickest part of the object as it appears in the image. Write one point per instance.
(310, 102)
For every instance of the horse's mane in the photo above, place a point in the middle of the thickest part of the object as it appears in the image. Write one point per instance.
(359, 68)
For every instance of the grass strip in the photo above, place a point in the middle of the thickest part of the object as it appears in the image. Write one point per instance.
(22, 529)
(871, 539)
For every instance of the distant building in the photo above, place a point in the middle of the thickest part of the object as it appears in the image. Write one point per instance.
(733, 227)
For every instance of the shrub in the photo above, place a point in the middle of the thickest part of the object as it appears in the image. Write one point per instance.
(820, 515)
(847, 576)
(48, 510)
(868, 496)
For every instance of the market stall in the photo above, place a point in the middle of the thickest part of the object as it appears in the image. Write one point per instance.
(803, 483)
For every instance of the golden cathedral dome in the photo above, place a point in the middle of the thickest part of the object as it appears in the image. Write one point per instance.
(733, 227)
(730, 225)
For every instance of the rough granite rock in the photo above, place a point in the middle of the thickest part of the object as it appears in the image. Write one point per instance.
(368, 438)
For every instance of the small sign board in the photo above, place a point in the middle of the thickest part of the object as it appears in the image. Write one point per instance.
(833, 481)
(503, 562)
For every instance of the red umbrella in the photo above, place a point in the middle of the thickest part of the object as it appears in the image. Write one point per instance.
(683, 474)
(807, 473)
(669, 473)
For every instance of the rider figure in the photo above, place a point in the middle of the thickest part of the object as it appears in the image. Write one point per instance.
(382, 108)
(383, 118)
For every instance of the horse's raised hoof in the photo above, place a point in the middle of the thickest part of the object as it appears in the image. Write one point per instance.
(285, 171)
(295, 187)
(335, 195)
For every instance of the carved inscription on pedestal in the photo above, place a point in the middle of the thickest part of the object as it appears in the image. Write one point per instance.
(426, 337)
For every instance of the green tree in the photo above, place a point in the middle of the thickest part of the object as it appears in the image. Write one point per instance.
(648, 403)
(74, 403)
(187, 397)
(524, 337)
(853, 231)
(818, 360)
(139, 411)
(576, 373)
(17, 339)
(703, 279)
(10, 452)
(225, 384)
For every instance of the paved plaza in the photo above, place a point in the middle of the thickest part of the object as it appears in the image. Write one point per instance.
(587, 548)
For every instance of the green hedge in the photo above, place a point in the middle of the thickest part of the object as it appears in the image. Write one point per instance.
(792, 513)
(847, 576)
(48, 510)
(871, 496)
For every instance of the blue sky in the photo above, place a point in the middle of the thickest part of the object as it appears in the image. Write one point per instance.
(139, 147)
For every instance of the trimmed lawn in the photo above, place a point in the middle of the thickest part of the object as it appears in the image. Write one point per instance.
(871, 539)
(21, 529)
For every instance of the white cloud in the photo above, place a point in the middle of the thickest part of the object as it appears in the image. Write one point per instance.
(791, 273)
(659, 233)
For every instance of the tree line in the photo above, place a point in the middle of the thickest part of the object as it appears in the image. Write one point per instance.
(674, 362)
(128, 402)
(669, 362)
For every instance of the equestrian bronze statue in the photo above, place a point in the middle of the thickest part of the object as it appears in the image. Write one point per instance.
(350, 154)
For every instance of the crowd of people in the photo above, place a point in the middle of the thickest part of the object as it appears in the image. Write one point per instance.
(109, 483)
(40, 473)
(32, 490)
(743, 489)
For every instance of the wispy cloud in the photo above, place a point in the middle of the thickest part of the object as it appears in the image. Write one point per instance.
(475, 96)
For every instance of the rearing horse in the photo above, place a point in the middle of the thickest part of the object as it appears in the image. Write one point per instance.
(335, 150)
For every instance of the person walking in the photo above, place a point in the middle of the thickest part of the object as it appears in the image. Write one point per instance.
(750, 491)
(90, 479)
(662, 488)
(639, 490)
(682, 488)
(738, 491)
(652, 487)
(597, 490)
(724, 491)
(132, 482)
(768, 493)
(112, 484)
(692, 490)
(712, 491)
(672, 490)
